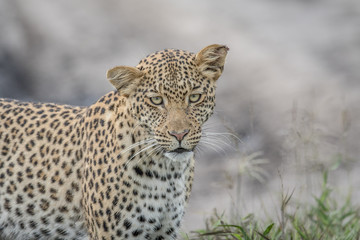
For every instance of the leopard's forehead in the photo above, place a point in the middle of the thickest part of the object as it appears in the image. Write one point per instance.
(171, 72)
(167, 57)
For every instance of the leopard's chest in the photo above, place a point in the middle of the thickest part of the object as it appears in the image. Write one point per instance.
(158, 204)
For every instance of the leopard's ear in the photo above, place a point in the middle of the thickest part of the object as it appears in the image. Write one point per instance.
(211, 59)
(125, 79)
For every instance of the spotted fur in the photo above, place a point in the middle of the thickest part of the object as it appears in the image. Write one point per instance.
(121, 168)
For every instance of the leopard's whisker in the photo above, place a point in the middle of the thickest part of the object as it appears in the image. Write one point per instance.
(151, 153)
(218, 140)
(147, 146)
(214, 146)
(224, 134)
(199, 149)
(137, 144)
(142, 150)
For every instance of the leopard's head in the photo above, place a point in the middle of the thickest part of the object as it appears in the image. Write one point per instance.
(172, 93)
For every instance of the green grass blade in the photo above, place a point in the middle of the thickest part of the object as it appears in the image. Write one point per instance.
(246, 236)
(268, 229)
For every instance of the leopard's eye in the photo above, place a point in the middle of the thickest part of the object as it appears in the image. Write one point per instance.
(157, 100)
(194, 98)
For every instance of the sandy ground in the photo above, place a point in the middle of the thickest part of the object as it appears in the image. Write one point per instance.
(290, 87)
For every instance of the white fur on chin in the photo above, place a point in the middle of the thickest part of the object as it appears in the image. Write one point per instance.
(179, 157)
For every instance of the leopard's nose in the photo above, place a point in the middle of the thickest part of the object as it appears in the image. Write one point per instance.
(179, 135)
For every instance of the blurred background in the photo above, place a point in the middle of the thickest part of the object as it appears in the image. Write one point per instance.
(290, 90)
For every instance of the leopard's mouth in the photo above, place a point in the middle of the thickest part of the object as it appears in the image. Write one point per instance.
(180, 150)
(180, 154)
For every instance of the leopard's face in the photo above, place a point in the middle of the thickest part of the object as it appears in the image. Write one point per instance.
(173, 96)
(173, 100)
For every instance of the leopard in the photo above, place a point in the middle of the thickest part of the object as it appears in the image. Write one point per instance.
(121, 168)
